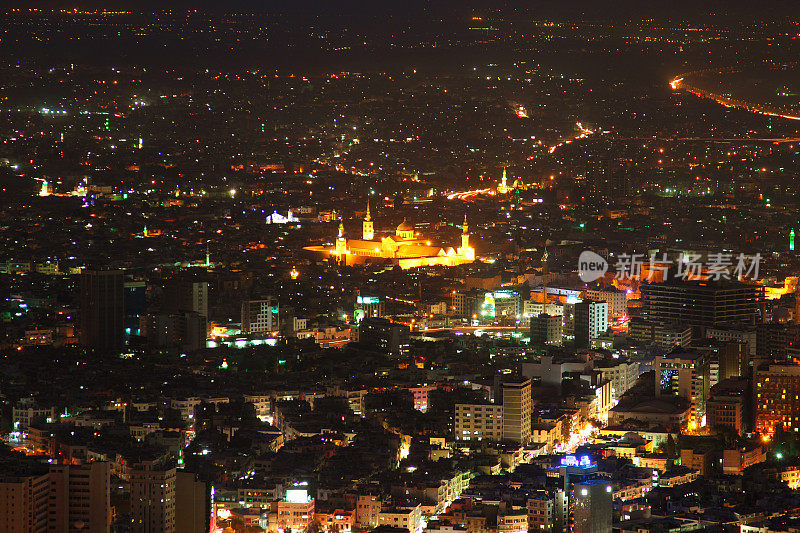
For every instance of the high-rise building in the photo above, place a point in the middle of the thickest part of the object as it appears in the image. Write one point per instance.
(733, 360)
(616, 299)
(35, 497)
(135, 307)
(493, 422)
(684, 374)
(622, 374)
(186, 296)
(726, 407)
(79, 494)
(177, 330)
(736, 332)
(152, 498)
(699, 303)
(641, 330)
(102, 302)
(776, 397)
(24, 493)
(517, 410)
(591, 506)
(591, 321)
(260, 316)
(548, 511)
(546, 329)
(479, 421)
(672, 335)
(193, 511)
(774, 341)
(467, 304)
(385, 336)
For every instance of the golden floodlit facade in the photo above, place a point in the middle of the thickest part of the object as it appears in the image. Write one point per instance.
(405, 248)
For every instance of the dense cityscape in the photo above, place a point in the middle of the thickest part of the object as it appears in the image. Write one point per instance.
(446, 268)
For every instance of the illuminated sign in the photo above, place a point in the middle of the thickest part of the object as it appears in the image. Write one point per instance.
(367, 300)
(488, 306)
(571, 460)
(297, 496)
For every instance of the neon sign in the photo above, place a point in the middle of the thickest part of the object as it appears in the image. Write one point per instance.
(571, 460)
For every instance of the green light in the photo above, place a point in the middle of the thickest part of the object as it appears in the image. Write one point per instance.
(263, 127)
(791, 240)
(281, 361)
(582, 225)
(779, 456)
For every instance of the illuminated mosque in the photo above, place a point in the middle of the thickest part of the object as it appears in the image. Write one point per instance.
(405, 248)
(503, 187)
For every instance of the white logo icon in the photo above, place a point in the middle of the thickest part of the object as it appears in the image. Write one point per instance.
(591, 266)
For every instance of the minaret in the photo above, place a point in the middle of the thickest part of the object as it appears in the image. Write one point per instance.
(341, 243)
(368, 232)
(208, 256)
(466, 250)
(504, 181)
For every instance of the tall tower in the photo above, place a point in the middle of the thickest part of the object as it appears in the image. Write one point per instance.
(368, 232)
(466, 250)
(517, 410)
(341, 243)
(591, 506)
(503, 187)
(102, 309)
(152, 498)
(465, 233)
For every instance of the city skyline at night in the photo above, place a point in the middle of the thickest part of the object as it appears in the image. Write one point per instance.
(422, 267)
